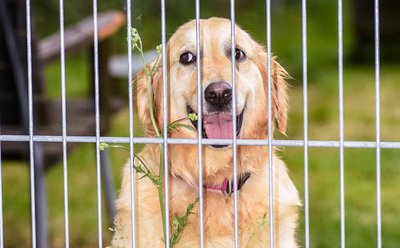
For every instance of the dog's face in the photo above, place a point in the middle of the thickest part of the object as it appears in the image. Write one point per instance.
(216, 80)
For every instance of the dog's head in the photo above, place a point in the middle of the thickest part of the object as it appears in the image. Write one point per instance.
(216, 79)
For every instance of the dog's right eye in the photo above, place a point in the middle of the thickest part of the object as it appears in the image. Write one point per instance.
(187, 58)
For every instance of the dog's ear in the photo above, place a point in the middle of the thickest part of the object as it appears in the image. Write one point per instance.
(142, 95)
(279, 89)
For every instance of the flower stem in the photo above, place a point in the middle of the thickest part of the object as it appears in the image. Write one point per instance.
(160, 191)
(148, 74)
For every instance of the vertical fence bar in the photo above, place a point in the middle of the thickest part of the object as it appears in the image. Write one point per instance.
(64, 124)
(30, 110)
(1, 198)
(165, 120)
(234, 147)
(378, 128)
(270, 134)
(305, 124)
(341, 124)
(131, 123)
(199, 123)
(97, 119)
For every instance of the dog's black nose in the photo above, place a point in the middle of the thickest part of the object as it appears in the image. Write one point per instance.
(218, 94)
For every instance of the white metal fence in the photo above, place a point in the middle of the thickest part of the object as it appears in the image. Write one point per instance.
(32, 138)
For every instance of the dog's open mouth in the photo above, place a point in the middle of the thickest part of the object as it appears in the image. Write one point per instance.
(227, 186)
(218, 125)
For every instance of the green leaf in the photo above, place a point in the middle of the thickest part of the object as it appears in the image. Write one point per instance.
(175, 221)
(146, 172)
(135, 37)
(193, 116)
(103, 146)
(159, 49)
(175, 125)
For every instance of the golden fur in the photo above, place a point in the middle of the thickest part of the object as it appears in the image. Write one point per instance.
(253, 198)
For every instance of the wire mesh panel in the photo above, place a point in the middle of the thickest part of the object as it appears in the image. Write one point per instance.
(31, 138)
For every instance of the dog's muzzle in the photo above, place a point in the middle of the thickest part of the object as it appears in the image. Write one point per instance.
(218, 97)
(217, 117)
(218, 125)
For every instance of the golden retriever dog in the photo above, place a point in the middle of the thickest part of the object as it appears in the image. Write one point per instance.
(252, 161)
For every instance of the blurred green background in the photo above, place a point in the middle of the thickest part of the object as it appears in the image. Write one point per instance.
(359, 121)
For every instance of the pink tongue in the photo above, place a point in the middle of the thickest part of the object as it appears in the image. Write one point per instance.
(218, 126)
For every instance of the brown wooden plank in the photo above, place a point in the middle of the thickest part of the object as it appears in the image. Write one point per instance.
(80, 35)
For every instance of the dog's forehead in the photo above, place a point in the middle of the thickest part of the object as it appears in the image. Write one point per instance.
(214, 32)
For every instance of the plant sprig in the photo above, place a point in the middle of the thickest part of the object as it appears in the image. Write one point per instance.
(147, 173)
(137, 44)
(104, 146)
(178, 223)
(175, 125)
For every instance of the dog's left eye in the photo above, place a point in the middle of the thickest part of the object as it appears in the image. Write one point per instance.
(239, 55)
(187, 58)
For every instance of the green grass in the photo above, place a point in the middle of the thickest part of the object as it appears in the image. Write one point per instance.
(359, 101)
(360, 195)
(77, 71)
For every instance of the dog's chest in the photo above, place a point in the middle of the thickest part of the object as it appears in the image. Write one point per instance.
(218, 217)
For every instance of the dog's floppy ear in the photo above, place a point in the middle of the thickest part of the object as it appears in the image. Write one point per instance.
(278, 87)
(142, 95)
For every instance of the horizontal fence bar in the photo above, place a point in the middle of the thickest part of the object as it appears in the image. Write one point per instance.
(194, 141)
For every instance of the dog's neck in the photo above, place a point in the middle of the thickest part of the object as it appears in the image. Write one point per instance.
(217, 175)
(228, 186)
